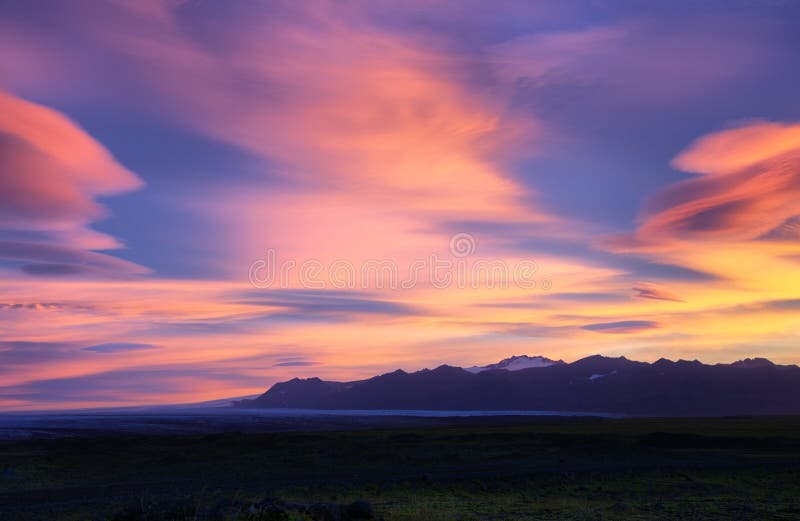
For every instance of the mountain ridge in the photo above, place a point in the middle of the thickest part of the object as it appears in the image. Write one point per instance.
(516, 363)
(596, 383)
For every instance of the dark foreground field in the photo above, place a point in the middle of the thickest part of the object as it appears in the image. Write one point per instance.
(535, 468)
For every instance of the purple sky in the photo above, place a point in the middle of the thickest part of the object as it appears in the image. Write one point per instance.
(609, 177)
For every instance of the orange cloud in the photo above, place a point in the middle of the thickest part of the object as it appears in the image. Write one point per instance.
(736, 220)
(749, 187)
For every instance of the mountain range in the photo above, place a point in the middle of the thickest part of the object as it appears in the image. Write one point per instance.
(595, 384)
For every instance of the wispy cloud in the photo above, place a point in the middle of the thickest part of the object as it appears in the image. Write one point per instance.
(622, 327)
(651, 291)
(115, 347)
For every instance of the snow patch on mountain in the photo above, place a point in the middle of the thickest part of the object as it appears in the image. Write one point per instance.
(516, 363)
(597, 376)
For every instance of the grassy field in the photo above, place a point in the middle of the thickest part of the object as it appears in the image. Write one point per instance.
(739, 468)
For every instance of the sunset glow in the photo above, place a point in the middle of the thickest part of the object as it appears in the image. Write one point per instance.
(608, 179)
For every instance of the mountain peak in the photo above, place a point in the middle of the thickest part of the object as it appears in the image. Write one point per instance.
(752, 363)
(516, 363)
(599, 358)
(445, 367)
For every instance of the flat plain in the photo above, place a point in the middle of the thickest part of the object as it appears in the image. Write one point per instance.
(490, 468)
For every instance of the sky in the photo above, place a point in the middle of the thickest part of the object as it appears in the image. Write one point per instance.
(201, 198)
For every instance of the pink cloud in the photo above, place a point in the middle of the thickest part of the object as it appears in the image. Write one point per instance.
(735, 149)
(51, 172)
(380, 138)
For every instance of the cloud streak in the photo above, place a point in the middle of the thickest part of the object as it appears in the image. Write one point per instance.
(115, 347)
(622, 327)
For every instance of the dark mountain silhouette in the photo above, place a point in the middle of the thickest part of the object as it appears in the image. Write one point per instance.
(593, 384)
